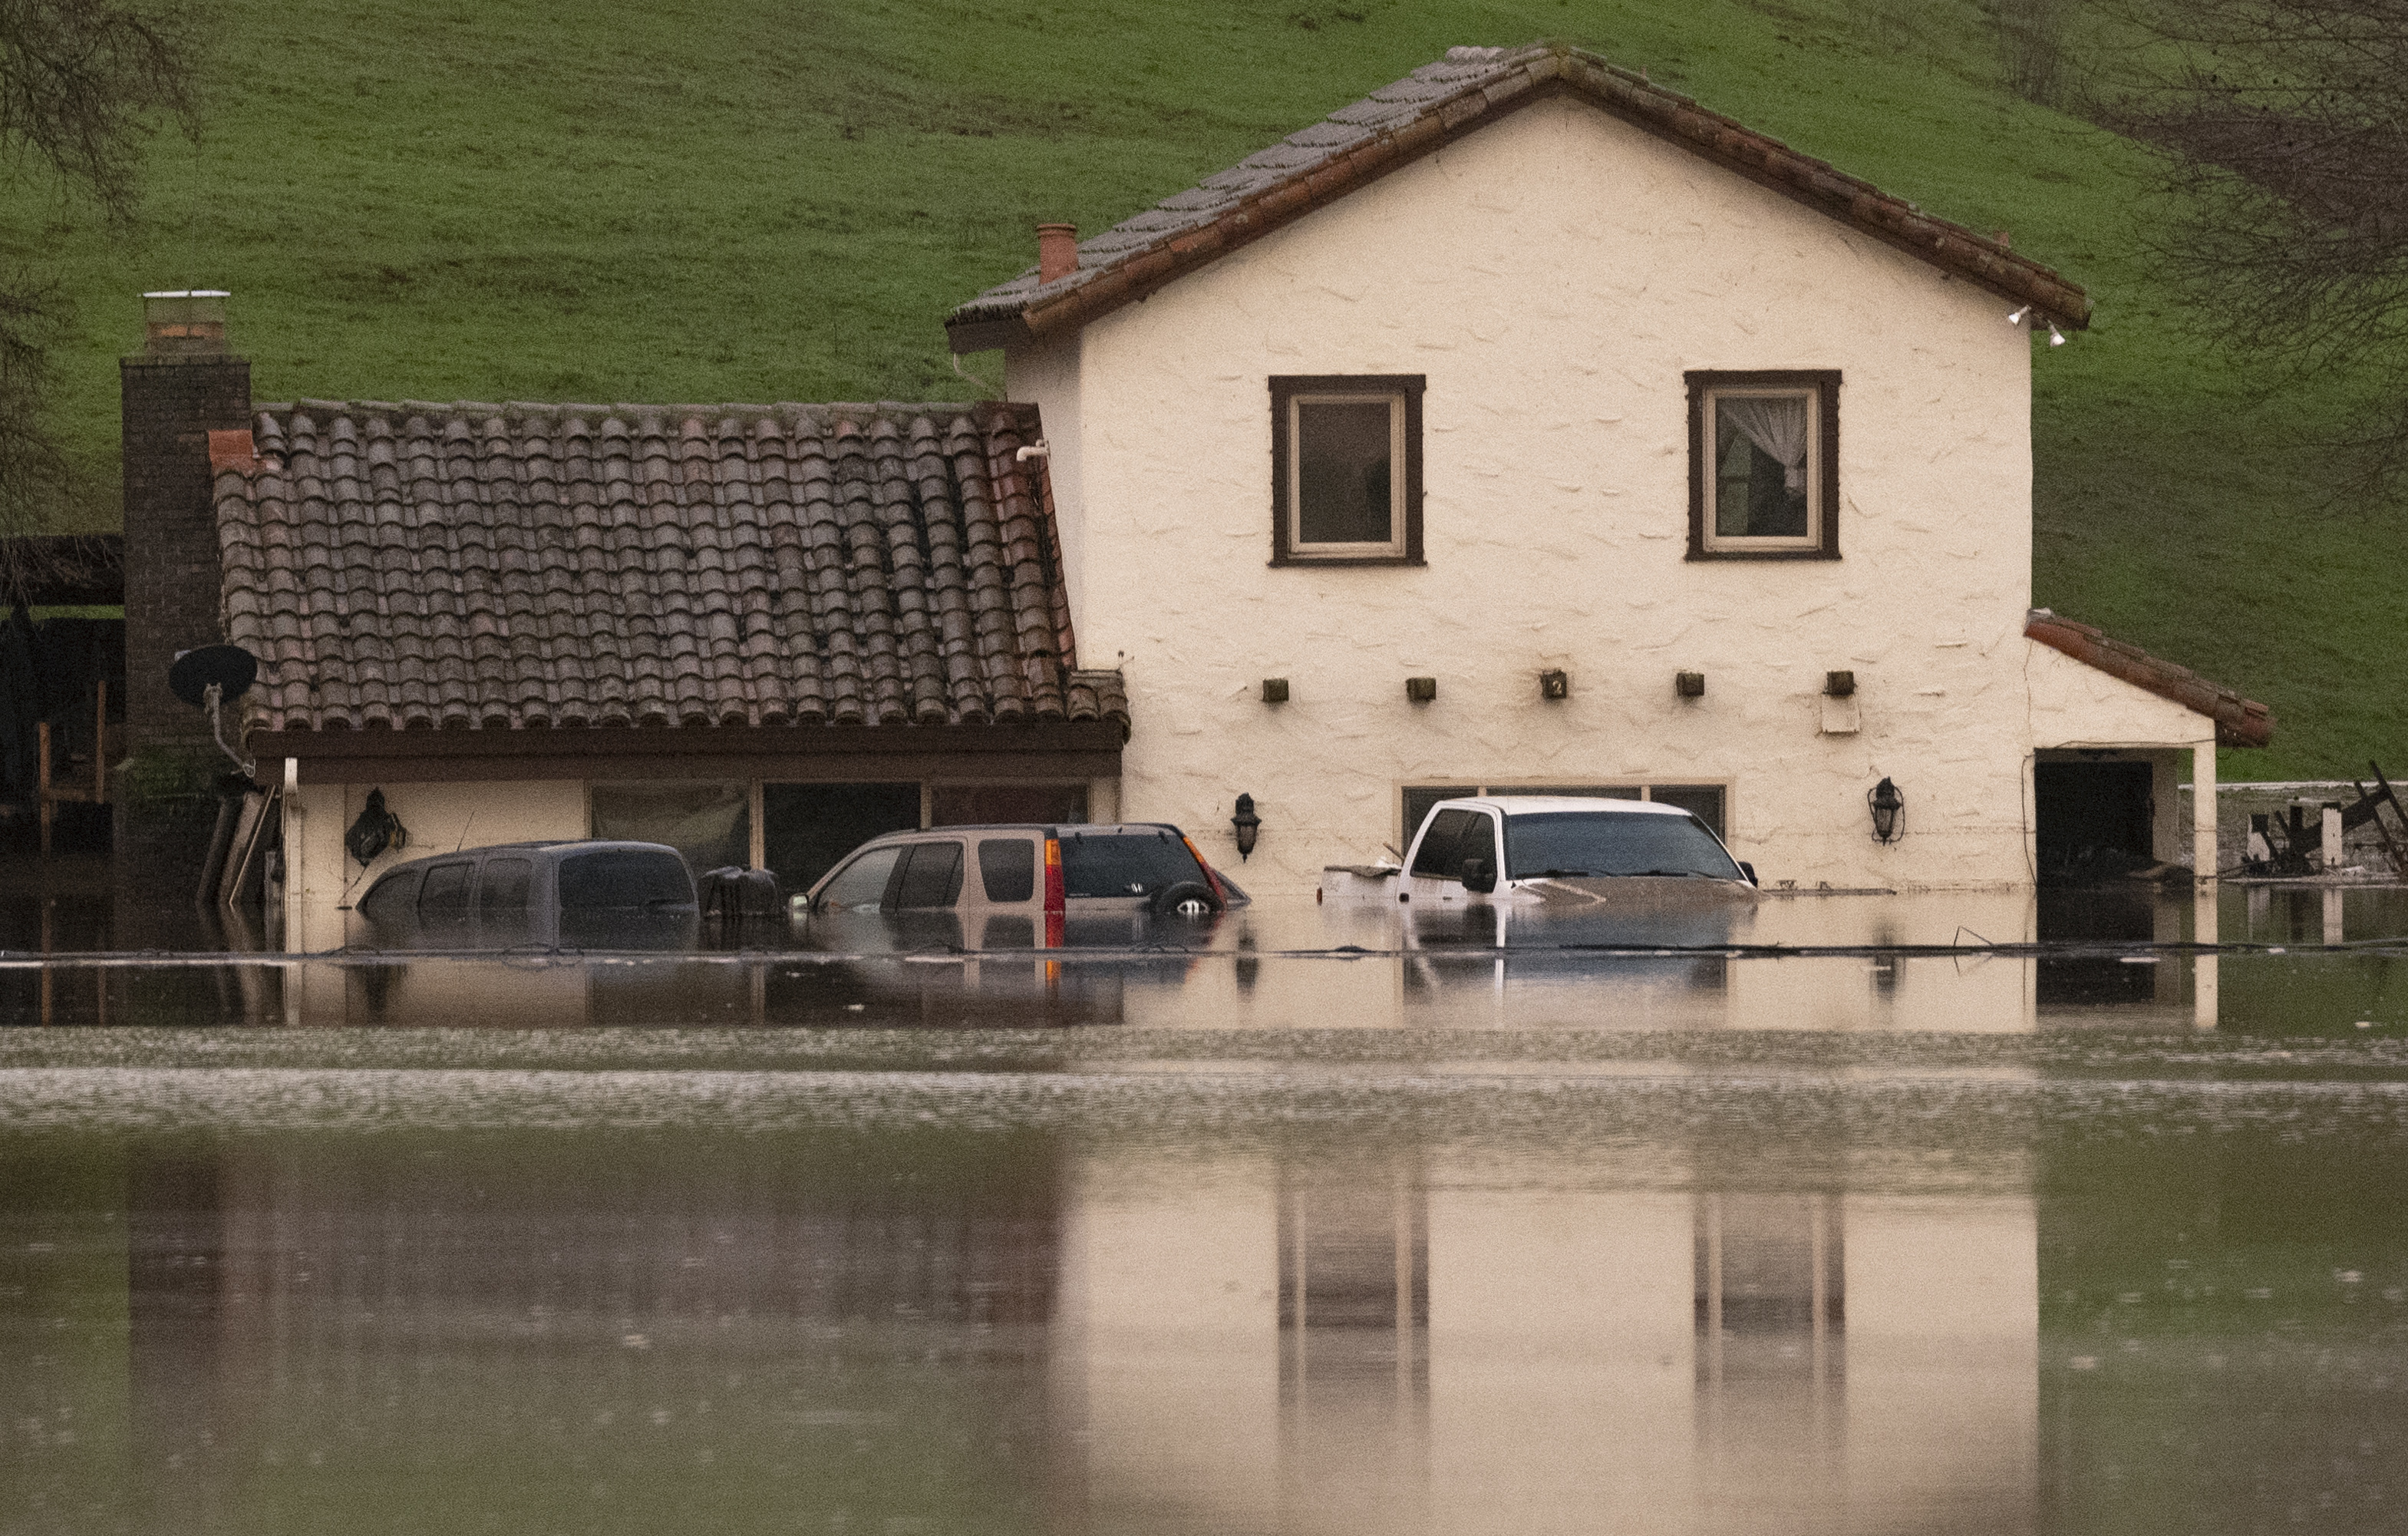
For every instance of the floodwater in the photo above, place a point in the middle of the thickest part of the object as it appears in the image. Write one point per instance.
(1845, 1220)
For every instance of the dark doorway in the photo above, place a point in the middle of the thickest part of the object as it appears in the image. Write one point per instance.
(2093, 818)
(986, 805)
(805, 828)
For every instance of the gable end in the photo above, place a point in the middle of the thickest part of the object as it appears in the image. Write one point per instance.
(1428, 109)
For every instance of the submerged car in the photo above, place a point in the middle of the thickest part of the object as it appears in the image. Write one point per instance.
(581, 894)
(1003, 886)
(1556, 849)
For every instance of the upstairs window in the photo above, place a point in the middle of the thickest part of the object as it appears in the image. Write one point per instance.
(1764, 466)
(1346, 469)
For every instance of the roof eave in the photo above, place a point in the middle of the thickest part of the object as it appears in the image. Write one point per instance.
(980, 336)
(2240, 721)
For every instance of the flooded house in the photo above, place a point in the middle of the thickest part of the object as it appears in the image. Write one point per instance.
(1527, 426)
(1523, 426)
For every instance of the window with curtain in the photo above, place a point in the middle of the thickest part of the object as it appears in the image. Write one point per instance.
(1764, 480)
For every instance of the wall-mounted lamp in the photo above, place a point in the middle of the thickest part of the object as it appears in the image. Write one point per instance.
(1689, 684)
(1249, 827)
(1555, 685)
(1839, 684)
(1421, 690)
(2017, 318)
(1886, 804)
(1274, 690)
(2056, 337)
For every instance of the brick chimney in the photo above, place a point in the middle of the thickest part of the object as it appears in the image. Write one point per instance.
(182, 386)
(1057, 251)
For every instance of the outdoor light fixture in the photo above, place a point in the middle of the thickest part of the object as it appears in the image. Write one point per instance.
(2056, 337)
(1274, 690)
(1885, 803)
(1689, 684)
(1421, 690)
(1250, 826)
(2017, 318)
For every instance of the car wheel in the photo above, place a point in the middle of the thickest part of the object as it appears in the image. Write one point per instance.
(1188, 898)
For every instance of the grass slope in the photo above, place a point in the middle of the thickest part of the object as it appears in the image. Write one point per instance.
(730, 202)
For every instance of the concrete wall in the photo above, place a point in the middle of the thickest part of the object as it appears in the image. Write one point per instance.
(1553, 275)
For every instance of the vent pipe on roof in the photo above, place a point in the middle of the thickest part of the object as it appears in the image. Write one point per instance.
(1057, 251)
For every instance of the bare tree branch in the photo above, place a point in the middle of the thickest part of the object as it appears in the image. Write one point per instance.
(82, 82)
(2286, 127)
(83, 86)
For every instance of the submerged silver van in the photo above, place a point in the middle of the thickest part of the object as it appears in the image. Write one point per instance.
(581, 895)
(1006, 886)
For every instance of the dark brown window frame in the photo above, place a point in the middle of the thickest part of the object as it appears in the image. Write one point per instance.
(1285, 387)
(1825, 384)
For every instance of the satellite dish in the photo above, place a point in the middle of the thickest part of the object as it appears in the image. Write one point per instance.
(231, 668)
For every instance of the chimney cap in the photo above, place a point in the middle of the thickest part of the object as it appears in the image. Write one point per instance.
(187, 322)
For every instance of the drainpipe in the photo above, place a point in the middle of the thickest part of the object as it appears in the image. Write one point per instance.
(232, 787)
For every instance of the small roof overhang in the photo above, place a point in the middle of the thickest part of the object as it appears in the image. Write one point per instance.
(2240, 721)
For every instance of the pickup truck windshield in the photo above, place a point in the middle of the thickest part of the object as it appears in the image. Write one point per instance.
(1595, 842)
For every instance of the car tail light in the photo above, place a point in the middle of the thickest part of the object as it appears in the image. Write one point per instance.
(1210, 878)
(1056, 904)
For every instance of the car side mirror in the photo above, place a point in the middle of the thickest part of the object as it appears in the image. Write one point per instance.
(1478, 877)
(1749, 870)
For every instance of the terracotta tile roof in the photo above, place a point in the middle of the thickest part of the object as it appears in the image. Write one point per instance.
(476, 566)
(2239, 722)
(1434, 104)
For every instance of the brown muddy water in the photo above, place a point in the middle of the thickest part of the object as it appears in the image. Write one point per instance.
(1252, 1234)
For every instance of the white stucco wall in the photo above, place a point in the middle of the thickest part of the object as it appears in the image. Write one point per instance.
(321, 879)
(1553, 275)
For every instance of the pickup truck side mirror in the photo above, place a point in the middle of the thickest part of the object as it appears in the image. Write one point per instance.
(1478, 877)
(1749, 870)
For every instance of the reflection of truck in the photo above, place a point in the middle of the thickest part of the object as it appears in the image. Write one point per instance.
(1558, 850)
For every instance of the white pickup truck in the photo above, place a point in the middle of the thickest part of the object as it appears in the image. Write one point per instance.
(1554, 849)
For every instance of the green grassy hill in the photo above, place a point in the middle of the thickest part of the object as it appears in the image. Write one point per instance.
(731, 202)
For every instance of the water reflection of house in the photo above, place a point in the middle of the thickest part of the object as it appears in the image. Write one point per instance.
(1000, 1330)
(1356, 1345)
(447, 1335)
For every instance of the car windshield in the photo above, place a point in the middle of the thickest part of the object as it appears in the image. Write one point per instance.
(1600, 842)
(1124, 863)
